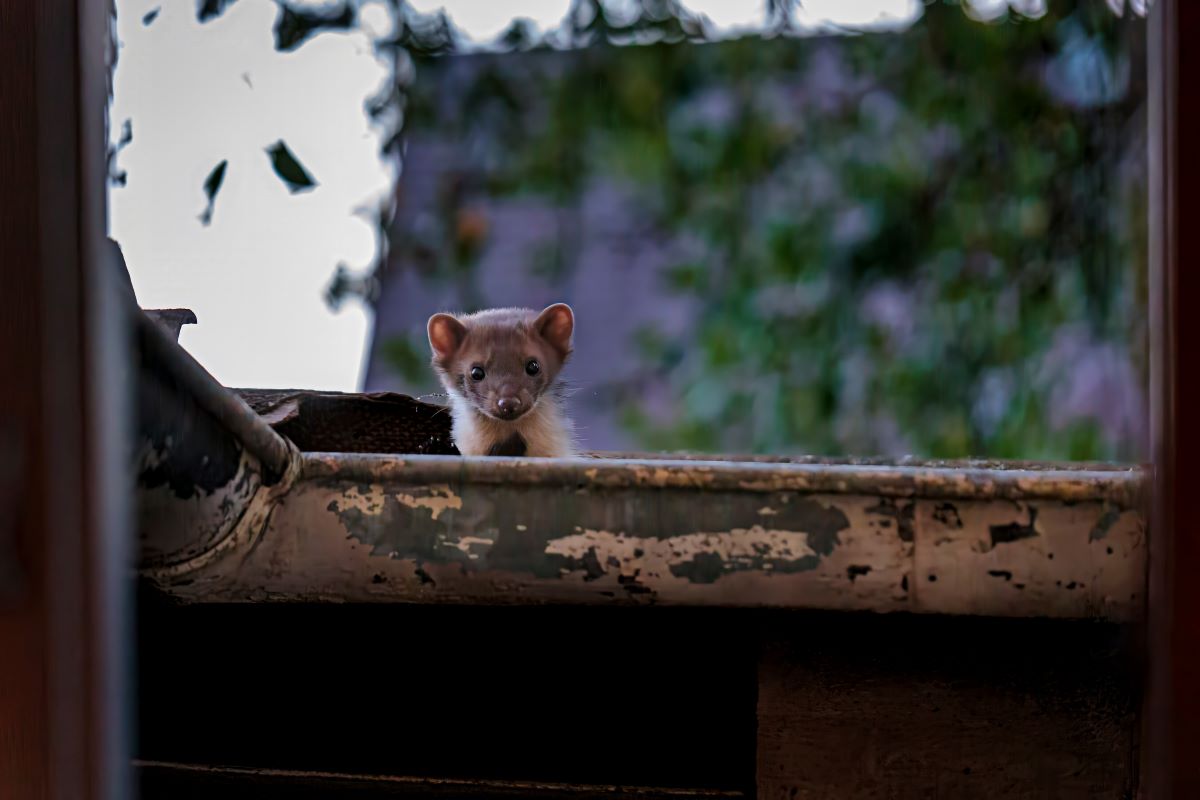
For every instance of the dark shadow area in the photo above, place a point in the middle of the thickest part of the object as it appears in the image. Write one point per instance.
(648, 697)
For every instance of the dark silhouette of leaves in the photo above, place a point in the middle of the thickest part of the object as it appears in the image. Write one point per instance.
(346, 284)
(592, 22)
(115, 176)
(151, 15)
(212, 185)
(211, 9)
(520, 35)
(295, 26)
(287, 167)
(426, 35)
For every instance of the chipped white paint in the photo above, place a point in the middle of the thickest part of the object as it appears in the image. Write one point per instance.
(369, 502)
(743, 547)
(472, 546)
(437, 501)
(868, 567)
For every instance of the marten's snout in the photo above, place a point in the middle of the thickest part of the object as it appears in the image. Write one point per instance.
(509, 406)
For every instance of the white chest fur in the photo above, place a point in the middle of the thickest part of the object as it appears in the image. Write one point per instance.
(546, 430)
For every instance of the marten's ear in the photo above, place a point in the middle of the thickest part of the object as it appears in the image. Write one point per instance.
(556, 325)
(446, 335)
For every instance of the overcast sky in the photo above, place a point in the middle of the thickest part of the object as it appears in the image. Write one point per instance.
(198, 94)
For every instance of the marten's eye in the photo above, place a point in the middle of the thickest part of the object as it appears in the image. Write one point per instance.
(477, 373)
(532, 367)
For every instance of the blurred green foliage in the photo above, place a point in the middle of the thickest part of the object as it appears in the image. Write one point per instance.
(929, 241)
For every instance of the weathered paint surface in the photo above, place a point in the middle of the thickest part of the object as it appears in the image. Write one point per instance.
(181, 520)
(1084, 557)
(1023, 542)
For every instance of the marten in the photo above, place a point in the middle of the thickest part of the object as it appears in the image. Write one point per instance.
(500, 368)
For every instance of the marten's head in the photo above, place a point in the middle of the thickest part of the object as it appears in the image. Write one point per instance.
(504, 360)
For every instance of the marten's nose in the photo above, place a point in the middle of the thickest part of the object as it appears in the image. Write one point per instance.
(508, 406)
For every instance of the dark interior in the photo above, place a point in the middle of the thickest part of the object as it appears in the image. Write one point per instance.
(648, 697)
(635, 697)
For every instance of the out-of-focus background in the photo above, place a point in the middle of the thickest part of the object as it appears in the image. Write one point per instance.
(877, 227)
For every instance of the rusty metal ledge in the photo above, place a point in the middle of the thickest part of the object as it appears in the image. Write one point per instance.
(1034, 541)
(1120, 486)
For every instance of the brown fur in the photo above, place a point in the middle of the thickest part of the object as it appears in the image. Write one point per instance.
(508, 402)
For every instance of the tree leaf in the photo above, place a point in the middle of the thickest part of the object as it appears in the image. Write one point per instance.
(212, 185)
(118, 177)
(295, 26)
(210, 9)
(151, 15)
(520, 35)
(288, 168)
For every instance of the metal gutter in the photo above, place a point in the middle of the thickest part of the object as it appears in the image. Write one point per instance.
(438, 529)
(227, 408)
(1118, 485)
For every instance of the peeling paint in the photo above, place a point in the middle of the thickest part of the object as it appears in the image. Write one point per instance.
(472, 546)
(1102, 526)
(902, 514)
(195, 520)
(366, 499)
(439, 499)
(1015, 531)
(698, 557)
(857, 571)
(947, 514)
